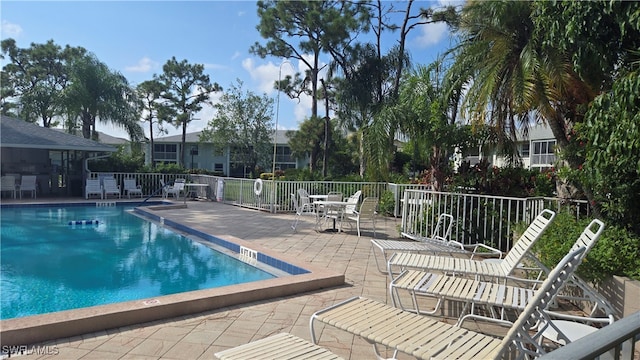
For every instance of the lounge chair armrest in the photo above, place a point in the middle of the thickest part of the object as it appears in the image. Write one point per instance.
(606, 320)
(484, 250)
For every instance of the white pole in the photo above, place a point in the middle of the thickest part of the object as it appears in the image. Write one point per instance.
(275, 143)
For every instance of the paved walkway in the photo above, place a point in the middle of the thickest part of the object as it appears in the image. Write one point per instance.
(200, 336)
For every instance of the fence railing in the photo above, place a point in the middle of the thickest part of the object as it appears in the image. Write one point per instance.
(616, 341)
(483, 219)
(479, 218)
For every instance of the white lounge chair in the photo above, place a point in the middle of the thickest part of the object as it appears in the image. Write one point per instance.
(28, 183)
(279, 346)
(489, 294)
(501, 269)
(425, 337)
(110, 187)
(8, 183)
(93, 187)
(439, 243)
(130, 187)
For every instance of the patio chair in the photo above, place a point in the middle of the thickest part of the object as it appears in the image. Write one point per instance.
(367, 212)
(439, 243)
(353, 201)
(176, 189)
(490, 295)
(130, 187)
(299, 211)
(8, 183)
(425, 337)
(93, 187)
(305, 202)
(28, 183)
(501, 269)
(110, 187)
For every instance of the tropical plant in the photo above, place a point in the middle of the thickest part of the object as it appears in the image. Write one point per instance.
(96, 93)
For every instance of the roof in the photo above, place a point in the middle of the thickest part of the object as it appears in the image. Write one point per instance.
(194, 137)
(21, 134)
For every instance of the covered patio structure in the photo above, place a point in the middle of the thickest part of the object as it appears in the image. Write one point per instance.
(56, 158)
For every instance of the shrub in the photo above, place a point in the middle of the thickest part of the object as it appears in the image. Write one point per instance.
(386, 204)
(615, 253)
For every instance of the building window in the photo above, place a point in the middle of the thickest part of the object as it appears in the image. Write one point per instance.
(543, 153)
(525, 150)
(218, 167)
(165, 153)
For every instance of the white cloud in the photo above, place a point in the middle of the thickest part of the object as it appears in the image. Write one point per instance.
(144, 65)
(215, 67)
(431, 34)
(10, 29)
(236, 55)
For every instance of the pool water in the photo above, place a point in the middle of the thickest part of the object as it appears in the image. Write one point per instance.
(49, 265)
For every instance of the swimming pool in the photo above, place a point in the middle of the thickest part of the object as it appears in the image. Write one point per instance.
(61, 258)
(194, 220)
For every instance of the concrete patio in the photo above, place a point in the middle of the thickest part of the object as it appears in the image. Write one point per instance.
(200, 336)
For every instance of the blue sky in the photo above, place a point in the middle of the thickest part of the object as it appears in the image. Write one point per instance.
(137, 37)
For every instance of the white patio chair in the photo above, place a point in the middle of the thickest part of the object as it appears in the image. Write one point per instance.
(438, 244)
(110, 187)
(305, 202)
(500, 269)
(93, 187)
(176, 189)
(8, 183)
(28, 183)
(353, 201)
(299, 212)
(130, 187)
(367, 212)
(425, 337)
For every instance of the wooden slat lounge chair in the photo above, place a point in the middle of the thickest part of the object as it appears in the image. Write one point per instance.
(503, 268)
(488, 294)
(428, 338)
(439, 243)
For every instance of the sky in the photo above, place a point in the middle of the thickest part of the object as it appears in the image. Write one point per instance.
(136, 38)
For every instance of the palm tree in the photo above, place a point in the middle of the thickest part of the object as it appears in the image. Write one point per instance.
(509, 74)
(98, 94)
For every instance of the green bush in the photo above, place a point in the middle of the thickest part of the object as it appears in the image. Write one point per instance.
(386, 204)
(616, 252)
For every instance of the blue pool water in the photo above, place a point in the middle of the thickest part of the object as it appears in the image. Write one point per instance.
(48, 265)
